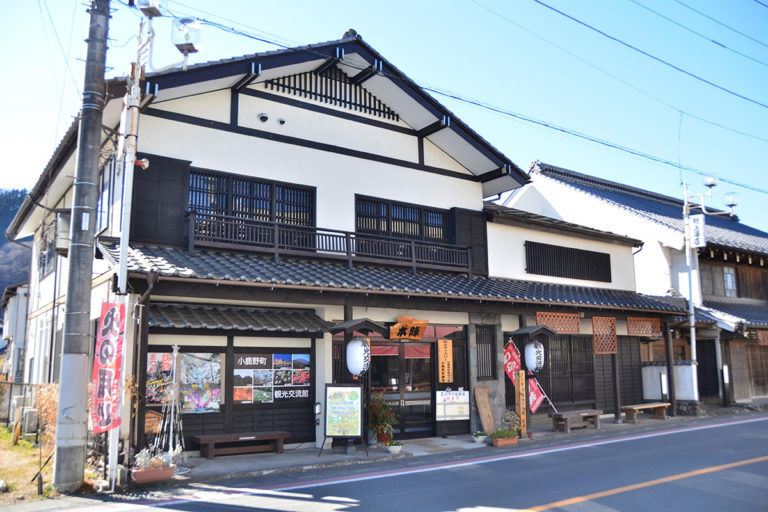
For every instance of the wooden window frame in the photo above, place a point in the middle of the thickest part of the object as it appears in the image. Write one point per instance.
(390, 213)
(568, 262)
(486, 364)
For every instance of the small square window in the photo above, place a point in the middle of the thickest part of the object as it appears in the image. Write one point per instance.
(729, 274)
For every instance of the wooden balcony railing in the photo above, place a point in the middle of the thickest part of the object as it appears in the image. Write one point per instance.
(224, 231)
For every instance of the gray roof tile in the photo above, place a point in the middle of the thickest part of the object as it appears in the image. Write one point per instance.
(217, 265)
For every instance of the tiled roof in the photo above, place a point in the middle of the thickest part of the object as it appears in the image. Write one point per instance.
(667, 211)
(192, 316)
(754, 315)
(222, 266)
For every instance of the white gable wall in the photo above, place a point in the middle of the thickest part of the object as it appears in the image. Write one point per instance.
(506, 256)
(656, 265)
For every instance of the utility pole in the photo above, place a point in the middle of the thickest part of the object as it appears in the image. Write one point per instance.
(72, 419)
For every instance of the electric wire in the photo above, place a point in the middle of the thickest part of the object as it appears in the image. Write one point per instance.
(761, 3)
(653, 57)
(621, 80)
(706, 38)
(61, 48)
(721, 23)
(504, 112)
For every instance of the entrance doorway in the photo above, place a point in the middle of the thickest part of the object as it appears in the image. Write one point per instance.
(403, 373)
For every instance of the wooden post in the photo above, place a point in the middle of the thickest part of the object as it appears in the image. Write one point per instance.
(616, 387)
(670, 369)
(521, 395)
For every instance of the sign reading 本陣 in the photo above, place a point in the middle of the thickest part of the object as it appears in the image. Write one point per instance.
(107, 367)
(452, 405)
(343, 411)
(408, 328)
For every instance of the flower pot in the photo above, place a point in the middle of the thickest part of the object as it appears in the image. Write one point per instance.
(394, 450)
(504, 441)
(479, 439)
(142, 476)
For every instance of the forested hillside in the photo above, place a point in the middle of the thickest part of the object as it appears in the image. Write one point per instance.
(14, 259)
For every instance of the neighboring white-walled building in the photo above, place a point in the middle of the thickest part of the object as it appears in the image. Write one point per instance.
(14, 304)
(729, 276)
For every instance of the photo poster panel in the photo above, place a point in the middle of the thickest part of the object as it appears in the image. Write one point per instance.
(200, 379)
(269, 377)
(159, 377)
(343, 410)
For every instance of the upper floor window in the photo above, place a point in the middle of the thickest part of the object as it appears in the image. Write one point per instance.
(554, 260)
(486, 352)
(251, 198)
(719, 280)
(105, 192)
(390, 218)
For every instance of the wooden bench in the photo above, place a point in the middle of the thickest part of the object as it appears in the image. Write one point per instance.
(580, 418)
(241, 442)
(659, 410)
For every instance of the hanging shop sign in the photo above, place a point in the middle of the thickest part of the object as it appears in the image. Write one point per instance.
(451, 405)
(512, 361)
(535, 396)
(107, 367)
(698, 234)
(358, 356)
(343, 411)
(445, 361)
(270, 377)
(408, 328)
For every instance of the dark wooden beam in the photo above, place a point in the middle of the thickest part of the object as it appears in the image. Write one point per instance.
(488, 176)
(325, 66)
(249, 78)
(435, 127)
(364, 75)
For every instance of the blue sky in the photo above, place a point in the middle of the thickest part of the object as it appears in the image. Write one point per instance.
(517, 56)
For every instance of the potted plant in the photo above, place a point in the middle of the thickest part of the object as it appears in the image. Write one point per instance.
(148, 467)
(509, 432)
(479, 437)
(381, 418)
(394, 447)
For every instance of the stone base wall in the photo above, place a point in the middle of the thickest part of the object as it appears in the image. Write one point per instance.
(688, 408)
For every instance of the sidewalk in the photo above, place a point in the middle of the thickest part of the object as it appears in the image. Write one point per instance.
(305, 457)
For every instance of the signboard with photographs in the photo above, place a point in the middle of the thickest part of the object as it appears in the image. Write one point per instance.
(269, 377)
(200, 380)
(159, 377)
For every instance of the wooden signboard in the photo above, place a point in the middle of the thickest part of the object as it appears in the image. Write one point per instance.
(445, 361)
(484, 409)
(152, 420)
(521, 402)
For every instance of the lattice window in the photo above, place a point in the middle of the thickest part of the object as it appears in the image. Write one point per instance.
(565, 323)
(762, 337)
(334, 87)
(650, 327)
(604, 335)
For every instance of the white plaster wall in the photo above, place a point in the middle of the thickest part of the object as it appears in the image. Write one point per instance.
(173, 339)
(683, 382)
(337, 177)
(549, 197)
(390, 315)
(506, 256)
(213, 105)
(679, 276)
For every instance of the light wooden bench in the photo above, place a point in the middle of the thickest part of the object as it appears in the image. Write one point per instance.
(659, 410)
(241, 442)
(566, 420)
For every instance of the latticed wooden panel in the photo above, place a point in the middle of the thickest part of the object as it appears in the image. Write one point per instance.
(604, 335)
(567, 323)
(762, 337)
(644, 327)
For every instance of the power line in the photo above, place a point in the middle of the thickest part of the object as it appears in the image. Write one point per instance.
(651, 56)
(621, 80)
(684, 27)
(508, 113)
(723, 24)
(761, 3)
(590, 138)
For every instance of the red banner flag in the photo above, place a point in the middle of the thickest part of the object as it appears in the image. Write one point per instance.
(511, 361)
(535, 396)
(107, 366)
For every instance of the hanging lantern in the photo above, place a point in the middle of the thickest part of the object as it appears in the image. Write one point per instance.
(358, 356)
(534, 356)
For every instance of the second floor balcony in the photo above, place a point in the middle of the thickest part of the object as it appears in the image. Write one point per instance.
(231, 232)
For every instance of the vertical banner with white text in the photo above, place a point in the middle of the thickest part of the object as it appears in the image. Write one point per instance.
(107, 364)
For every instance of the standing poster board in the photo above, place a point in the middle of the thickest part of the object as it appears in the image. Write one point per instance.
(343, 410)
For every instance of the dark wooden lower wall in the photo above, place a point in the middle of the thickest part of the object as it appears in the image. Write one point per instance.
(630, 375)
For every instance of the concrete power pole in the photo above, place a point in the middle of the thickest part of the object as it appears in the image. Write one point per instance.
(72, 420)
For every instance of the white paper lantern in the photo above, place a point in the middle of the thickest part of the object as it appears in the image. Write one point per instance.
(534, 356)
(358, 356)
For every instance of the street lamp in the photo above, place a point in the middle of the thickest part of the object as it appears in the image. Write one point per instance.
(694, 237)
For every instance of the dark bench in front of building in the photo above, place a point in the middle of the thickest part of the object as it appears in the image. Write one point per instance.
(659, 410)
(241, 442)
(566, 420)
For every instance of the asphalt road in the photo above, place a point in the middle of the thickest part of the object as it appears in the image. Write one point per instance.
(711, 465)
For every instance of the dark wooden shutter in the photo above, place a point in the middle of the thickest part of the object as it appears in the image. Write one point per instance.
(470, 229)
